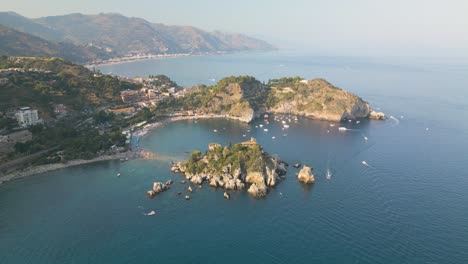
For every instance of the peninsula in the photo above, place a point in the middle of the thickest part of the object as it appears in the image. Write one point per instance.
(244, 98)
(236, 167)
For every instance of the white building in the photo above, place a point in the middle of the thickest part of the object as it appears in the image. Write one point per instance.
(27, 117)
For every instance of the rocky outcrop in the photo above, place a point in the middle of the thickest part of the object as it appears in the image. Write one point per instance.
(377, 115)
(221, 168)
(158, 187)
(305, 175)
(258, 190)
(316, 99)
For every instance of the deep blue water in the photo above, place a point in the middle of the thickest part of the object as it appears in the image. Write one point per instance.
(409, 206)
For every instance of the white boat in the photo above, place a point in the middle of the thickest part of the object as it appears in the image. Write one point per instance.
(357, 122)
(265, 116)
(332, 125)
(365, 138)
(260, 125)
(214, 130)
(328, 174)
(284, 122)
(286, 126)
(342, 128)
(266, 129)
(365, 163)
(151, 213)
(244, 135)
(273, 137)
(118, 174)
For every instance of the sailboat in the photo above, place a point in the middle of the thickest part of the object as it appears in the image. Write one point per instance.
(328, 174)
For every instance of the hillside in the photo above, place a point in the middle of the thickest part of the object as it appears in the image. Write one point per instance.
(317, 99)
(245, 98)
(46, 80)
(16, 43)
(121, 36)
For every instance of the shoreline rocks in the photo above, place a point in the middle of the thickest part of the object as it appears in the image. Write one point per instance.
(377, 115)
(237, 174)
(258, 190)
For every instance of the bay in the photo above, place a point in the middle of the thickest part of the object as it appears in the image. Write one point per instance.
(408, 206)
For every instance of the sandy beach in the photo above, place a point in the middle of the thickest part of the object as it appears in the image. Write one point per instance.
(57, 166)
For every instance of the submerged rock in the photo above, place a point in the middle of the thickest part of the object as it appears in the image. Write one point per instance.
(227, 196)
(305, 175)
(169, 182)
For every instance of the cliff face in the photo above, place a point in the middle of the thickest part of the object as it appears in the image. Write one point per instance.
(317, 99)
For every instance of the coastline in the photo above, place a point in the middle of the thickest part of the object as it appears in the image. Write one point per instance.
(35, 170)
(127, 59)
(168, 120)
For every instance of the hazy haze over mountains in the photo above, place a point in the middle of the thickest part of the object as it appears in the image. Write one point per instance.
(117, 35)
(332, 27)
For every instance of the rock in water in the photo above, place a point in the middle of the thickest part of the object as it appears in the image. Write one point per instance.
(159, 187)
(377, 115)
(258, 190)
(151, 193)
(190, 189)
(187, 197)
(305, 175)
(227, 196)
(169, 182)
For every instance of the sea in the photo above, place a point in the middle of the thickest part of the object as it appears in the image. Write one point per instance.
(398, 197)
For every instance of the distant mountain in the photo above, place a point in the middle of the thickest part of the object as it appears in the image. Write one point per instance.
(129, 35)
(16, 43)
(24, 24)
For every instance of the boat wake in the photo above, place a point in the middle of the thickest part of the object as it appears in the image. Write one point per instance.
(397, 121)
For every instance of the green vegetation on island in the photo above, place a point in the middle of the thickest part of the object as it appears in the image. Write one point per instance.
(234, 167)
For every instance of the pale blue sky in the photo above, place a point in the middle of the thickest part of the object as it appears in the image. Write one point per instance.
(353, 27)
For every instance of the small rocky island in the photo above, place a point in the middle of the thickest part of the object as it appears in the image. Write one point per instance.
(241, 166)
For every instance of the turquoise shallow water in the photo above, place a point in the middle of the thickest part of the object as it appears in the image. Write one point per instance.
(409, 206)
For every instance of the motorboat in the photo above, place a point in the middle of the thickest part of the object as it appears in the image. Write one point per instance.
(151, 213)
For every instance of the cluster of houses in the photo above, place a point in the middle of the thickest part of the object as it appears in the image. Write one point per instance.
(149, 95)
(26, 117)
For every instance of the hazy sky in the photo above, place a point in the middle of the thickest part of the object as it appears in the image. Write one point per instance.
(390, 27)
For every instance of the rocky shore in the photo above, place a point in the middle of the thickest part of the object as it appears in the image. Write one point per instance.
(242, 166)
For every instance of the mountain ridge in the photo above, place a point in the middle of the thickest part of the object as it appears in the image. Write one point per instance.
(121, 36)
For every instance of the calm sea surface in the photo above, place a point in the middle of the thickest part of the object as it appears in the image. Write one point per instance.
(409, 205)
